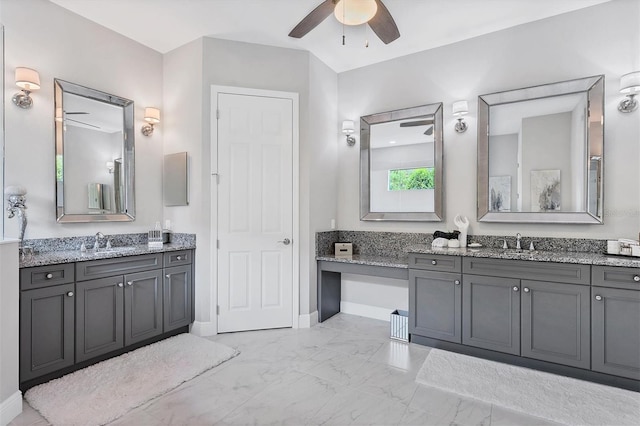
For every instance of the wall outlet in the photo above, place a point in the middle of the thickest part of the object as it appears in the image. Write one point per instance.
(333, 224)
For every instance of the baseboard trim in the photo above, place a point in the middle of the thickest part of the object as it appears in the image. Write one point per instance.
(10, 408)
(367, 311)
(204, 329)
(308, 320)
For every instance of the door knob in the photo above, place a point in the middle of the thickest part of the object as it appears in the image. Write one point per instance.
(598, 297)
(515, 288)
(129, 282)
(168, 276)
(526, 289)
(178, 257)
(636, 278)
(120, 285)
(457, 282)
(70, 294)
(49, 276)
(286, 241)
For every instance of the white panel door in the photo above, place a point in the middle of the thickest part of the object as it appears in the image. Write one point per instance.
(255, 212)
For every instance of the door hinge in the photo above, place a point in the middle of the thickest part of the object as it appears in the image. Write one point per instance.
(217, 178)
(217, 309)
(217, 114)
(217, 244)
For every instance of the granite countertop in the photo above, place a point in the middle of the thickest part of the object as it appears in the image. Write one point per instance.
(535, 256)
(69, 256)
(492, 253)
(391, 262)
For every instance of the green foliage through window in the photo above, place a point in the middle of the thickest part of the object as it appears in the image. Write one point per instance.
(408, 179)
(59, 166)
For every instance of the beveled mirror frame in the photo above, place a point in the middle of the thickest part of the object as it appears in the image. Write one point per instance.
(128, 151)
(365, 135)
(593, 88)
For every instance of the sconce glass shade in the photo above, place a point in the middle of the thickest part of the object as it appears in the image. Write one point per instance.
(348, 127)
(630, 83)
(27, 79)
(355, 12)
(152, 115)
(460, 108)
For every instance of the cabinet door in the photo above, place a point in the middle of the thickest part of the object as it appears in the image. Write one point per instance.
(99, 317)
(434, 305)
(142, 306)
(491, 313)
(177, 297)
(615, 332)
(46, 330)
(555, 323)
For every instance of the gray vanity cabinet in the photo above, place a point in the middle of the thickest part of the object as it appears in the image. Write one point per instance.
(46, 330)
(615, 321)
(177, 297)
(555, 322)
(100, 317)
(491, 313)
(117, 311)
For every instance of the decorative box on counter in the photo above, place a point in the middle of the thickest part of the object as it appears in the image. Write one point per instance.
(344, 249)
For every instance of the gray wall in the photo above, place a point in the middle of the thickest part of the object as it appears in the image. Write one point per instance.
(61, 44)
(228, 63)
(587, 42)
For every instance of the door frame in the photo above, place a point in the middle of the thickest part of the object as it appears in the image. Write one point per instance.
(295, 168)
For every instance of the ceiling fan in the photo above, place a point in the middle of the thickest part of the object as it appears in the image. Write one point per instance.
(351, 12)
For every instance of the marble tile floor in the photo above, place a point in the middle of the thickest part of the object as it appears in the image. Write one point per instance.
(344, 371)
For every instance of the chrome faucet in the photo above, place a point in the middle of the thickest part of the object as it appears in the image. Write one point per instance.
(518, 238)
(96, 245)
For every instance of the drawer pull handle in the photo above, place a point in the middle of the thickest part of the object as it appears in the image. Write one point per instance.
(70, 294)
(526, 289)
(49, 275)
(515, 288)
(120, 285)
(433, 262)
(457, 282)
(636, 278)
(178, 257)
(129, 282)
(598, 297)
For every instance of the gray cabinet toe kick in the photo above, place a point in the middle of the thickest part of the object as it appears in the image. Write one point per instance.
(76, 314)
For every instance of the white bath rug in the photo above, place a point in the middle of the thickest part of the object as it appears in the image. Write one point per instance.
(549, 396)
(103, 392)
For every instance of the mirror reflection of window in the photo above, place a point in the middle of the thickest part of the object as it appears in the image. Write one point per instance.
(402, 165)
(536, 155)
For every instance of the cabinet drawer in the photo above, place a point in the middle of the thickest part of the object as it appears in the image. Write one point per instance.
(117, 266)
(435, 262)
(616, 277)
(45, 276)
(177, 258)
(525, 269)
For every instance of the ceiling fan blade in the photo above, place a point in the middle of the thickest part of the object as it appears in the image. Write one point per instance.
(383, 24)
(416, 123)
(313, 19)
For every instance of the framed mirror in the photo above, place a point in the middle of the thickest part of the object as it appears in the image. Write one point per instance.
(541, 153)
(401, 177)
(94, 155)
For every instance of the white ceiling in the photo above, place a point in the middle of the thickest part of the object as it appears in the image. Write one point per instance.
(164, 25)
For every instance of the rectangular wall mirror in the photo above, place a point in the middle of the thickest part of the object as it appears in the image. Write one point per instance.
(401, 177)
(541, 152)
(94, 155)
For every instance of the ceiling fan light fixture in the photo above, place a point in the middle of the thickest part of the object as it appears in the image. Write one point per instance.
(355, 12)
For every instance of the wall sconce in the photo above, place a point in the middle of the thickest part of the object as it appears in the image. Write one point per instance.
(28, 80)
(151, 116)
(348, 128)
(110, 167)
(630, 86)
(460, 108)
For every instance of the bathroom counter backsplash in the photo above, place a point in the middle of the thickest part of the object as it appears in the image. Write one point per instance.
(395, 245)
(50, 251)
